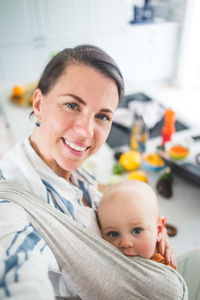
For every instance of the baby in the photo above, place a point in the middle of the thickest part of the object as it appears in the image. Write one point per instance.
(129, 218)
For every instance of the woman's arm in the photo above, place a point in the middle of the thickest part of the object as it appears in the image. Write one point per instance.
(23, 269)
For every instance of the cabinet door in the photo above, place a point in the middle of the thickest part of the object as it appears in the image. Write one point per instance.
(106, 17)
(16, 63)
(150, 52)
(16, 22)
(24, 63)
(163, 43)
(62, 18)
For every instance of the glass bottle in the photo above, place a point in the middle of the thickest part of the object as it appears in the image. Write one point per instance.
(139, 134)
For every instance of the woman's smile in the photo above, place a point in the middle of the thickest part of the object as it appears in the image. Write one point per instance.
(75, 149)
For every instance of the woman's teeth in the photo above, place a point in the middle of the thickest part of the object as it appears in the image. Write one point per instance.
(77, 148)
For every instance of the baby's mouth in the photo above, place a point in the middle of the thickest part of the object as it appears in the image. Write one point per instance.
(129, 252)
(74, 147)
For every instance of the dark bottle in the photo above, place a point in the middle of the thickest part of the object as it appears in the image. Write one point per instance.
(147, 11)
(164, 184)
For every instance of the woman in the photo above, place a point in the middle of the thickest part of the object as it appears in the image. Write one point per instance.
(49, 238)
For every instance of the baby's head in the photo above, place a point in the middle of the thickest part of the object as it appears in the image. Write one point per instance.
(129, 218)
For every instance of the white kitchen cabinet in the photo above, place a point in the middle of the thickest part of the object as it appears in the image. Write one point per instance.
(17, 62)
(16, 22)
(65, 18)
(151, 51)
(30, 30)
(20, 37)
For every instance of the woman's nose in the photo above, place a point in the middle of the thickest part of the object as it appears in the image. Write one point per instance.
(84, 127)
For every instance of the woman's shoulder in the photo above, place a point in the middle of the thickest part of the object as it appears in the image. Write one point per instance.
(11, 160)
(17, 167)
(13, 153)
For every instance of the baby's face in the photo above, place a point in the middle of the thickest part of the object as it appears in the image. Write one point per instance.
(129, 224)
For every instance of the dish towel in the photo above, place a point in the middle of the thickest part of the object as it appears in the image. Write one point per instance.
(94, 268)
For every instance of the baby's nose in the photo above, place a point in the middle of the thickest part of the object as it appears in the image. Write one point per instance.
(126, 243)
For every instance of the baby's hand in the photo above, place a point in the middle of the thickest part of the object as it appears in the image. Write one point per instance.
(165, 249)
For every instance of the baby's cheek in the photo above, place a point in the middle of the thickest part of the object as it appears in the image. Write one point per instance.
(147, 248)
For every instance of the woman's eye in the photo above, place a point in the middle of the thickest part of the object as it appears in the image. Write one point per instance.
(137, 230)
(113, 234)
(72, 105)
(103, 117)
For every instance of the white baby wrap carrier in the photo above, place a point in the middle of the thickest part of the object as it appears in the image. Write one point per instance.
(93, 268)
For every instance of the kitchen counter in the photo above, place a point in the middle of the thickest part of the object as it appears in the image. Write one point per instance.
(183, 209)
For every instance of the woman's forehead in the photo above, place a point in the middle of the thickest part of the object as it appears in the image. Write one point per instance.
(87, 83)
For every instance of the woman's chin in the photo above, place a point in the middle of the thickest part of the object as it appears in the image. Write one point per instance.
(70, 166)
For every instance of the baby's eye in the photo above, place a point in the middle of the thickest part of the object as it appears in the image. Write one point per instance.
(72, 105)
(113, 234)
(137, 230)
(103, 117)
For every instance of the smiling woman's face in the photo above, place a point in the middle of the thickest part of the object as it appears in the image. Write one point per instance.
(75, 118)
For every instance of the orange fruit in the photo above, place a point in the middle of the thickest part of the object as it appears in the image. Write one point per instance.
(130, 160)
(18, 90)
(138, 175)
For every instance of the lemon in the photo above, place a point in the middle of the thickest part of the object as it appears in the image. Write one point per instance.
(130, 160)
(138, 175)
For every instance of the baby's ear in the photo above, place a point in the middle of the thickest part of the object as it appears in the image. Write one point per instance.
(160, 227)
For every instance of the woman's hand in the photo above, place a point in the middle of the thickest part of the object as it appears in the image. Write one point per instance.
(165, 249)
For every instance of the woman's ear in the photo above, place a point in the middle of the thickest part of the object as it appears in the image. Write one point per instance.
(160, 227)
(37, 101)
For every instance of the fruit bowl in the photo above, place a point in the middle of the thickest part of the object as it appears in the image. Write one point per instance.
(178, 151)
(152, 161)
